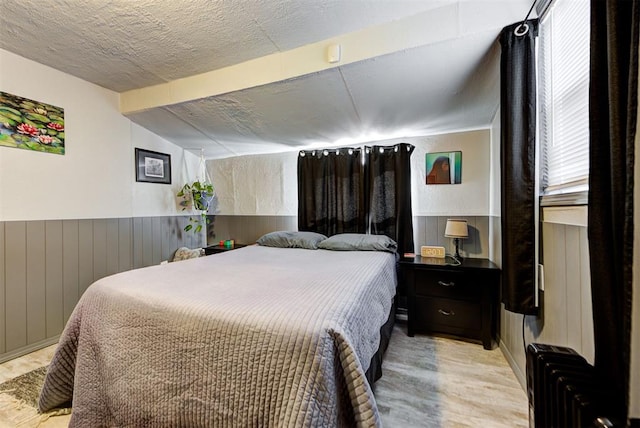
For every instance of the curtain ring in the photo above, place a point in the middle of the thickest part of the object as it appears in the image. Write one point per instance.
(325, 152)
(302, 154)
(521, 29)
(381, 149)
(395, 149)
(350, 151)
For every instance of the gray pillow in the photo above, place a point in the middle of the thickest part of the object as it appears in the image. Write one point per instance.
(291, 239)
(359, 242)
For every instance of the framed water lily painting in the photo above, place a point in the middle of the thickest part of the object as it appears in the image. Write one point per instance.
(31, 125)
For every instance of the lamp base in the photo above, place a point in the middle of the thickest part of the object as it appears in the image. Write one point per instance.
(457, 243)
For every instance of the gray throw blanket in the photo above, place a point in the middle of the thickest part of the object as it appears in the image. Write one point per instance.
(253, 337)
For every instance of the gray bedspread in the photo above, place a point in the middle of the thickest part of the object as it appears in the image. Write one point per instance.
(253, 337)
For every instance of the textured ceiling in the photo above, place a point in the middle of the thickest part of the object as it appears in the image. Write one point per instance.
(126, 44)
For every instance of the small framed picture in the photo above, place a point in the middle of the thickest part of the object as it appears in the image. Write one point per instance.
(444, 168)
(153, 167)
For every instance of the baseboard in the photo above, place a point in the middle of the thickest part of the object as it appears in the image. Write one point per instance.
(512, 362)
(29, 349)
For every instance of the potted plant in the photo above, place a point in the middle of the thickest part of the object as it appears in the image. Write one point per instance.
(198, 196)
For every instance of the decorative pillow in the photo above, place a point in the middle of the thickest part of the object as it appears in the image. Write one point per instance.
(359, 242)
(291, 239)
(184, 253)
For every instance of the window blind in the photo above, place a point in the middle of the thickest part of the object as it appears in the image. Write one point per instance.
(564, 96)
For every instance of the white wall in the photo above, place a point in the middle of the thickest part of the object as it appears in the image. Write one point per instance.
(267, 184)
(96, 176)
(495, 230)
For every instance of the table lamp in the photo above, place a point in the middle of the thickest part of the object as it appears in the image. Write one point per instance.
(456, 229)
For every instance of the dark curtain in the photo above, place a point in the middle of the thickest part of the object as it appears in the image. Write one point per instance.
(331, 191)
(612, 121)
(517, 157)
(389, 182)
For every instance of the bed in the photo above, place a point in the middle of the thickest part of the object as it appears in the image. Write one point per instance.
(258, 336)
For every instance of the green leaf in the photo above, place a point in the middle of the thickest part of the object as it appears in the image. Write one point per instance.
(10, 110)
(38, 117)
(7, 141)
(5, 119)
(198, 229)
(188, 227)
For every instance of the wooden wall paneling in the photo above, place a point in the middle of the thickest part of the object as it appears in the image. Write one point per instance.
(431, 231)
(15, 285)
(125, 247)
(181, 236)
(2, 288)
(573, 285)
(137, 245)
(482, 243)
(147, 241)
(447, 243)
(85, 254)
(250, 230)
(267, 226)
(284, 223)
(99, 249)
(220, 228)
(55, 289)
(36, 288)
(70, 266)
(113, 235)
(588, 344)
(555, 329)
(170, 244)
(250, 226)
(419, 233)
(156, 227)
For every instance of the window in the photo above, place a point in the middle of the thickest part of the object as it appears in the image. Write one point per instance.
(563, 93)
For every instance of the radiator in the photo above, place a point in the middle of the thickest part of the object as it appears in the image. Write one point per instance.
(563, 390)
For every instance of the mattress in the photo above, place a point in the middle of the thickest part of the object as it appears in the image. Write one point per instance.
(257, 336)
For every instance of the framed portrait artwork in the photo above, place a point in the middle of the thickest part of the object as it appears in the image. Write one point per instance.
(444, 168)
(153, 167)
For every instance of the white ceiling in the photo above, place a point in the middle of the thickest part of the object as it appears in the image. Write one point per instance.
(437, 77)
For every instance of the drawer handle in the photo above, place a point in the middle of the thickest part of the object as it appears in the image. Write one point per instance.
(446, 313)
(447, 284)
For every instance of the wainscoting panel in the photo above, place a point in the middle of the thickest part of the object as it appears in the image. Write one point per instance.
(15, 308)
(36, 287)
(55, 290)
(70, 266)
(85, 255)
(246, 229)
(566, 314)
(429, 230)
(45, 266)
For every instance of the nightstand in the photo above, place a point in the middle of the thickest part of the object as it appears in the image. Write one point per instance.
(460, 300)
(215, 249)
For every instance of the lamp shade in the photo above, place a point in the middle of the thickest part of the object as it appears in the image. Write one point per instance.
(456, 229)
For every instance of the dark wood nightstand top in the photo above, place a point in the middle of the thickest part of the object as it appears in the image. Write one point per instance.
(214, 249)
(448, 263)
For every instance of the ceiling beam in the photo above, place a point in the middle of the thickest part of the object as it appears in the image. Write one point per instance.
(426, 28)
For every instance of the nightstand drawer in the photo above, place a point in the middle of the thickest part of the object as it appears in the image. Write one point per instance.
(452, 285)
(441, 313)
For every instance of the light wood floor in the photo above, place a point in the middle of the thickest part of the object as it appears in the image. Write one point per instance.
(426, 382)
